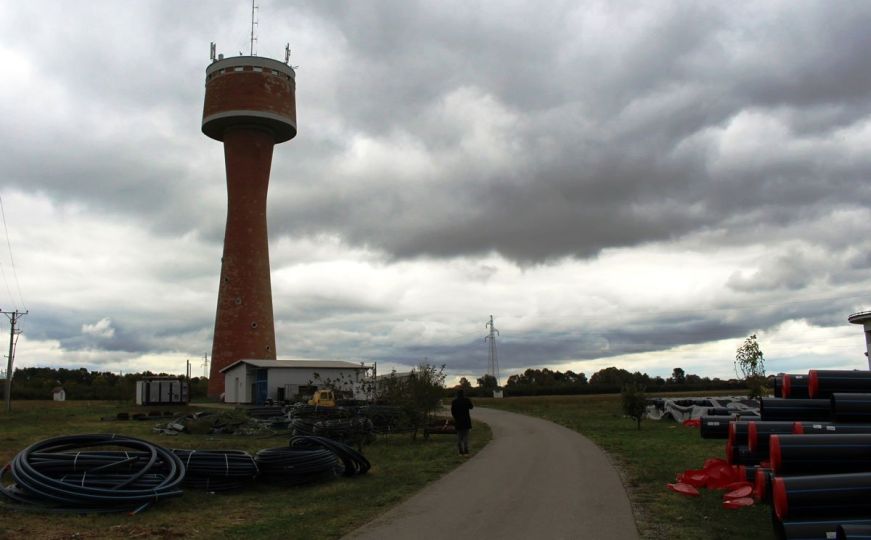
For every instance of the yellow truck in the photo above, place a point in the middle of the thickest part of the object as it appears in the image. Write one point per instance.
(323, 398)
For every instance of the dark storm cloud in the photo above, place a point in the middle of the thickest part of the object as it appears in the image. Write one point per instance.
(616, 120)
(609, 108)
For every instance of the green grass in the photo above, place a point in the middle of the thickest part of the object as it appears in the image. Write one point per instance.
(400, 467)
(649, 459)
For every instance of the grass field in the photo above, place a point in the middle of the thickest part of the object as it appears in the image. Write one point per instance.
(400, 467)
(648, 460)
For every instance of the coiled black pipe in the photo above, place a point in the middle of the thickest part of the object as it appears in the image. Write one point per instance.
(794, 387)
(822, 383)
(56, 474)
(296, 466)
(820, 454)
(348, 430)
(832, 496)
(848, 407)
(217, 470)
(302, 426)
(354, 462)
(854, 531)
(778, 385)
(795, 409)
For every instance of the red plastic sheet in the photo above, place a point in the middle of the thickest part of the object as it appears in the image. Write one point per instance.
(740, 492)
(715, 474)
(734, 504)
(683, 489)
(692, 422)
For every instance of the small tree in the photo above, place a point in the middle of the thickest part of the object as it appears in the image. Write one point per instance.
(487, 382)
(418, 395)
(750, 365)
(634, 401)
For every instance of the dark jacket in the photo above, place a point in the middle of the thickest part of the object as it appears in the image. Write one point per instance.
(460, 408)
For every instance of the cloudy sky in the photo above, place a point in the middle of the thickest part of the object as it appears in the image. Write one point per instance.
(640, 185)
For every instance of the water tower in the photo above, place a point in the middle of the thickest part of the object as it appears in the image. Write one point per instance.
(250, 106)
(864, 318)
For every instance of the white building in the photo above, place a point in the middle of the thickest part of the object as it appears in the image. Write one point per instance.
(58, 394)
(255, 381)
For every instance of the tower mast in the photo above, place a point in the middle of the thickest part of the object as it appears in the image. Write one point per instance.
(494, 362)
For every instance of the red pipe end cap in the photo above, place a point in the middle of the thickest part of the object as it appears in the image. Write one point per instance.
(813, 383)
(778, 494)
(798, 428)
(751, 436)
(774, 453)
(785, 385)
(759, 486)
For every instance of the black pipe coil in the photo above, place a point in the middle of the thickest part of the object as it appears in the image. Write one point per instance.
(353, 461)
(57, 475)
(348, 430)
(217, 470)
(296, 466)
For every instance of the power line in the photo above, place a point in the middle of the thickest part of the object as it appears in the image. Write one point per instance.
(11, 260)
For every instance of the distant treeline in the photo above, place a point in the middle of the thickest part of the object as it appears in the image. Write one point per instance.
(39, 383)
(541, 382)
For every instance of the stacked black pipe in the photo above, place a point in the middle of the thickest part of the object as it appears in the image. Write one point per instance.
(820, 454)
(65, 474)
(822, 383)
(217, 470)
(794, 409)
(819, 483)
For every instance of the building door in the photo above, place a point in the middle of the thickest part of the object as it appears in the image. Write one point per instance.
(260, 387)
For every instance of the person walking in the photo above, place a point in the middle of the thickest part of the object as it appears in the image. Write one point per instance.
(460, 407)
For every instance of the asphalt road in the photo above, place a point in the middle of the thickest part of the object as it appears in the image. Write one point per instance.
(534, 480)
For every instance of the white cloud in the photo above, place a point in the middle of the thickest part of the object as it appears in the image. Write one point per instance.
(101, 329)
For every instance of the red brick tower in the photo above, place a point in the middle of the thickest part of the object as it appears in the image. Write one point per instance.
(250, 106)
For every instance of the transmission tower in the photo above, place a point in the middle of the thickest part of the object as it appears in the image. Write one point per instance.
(494, 362)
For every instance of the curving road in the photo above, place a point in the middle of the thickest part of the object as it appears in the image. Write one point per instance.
(534, 480)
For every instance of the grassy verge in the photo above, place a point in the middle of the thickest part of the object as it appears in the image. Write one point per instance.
(649, 459)
(400, 467)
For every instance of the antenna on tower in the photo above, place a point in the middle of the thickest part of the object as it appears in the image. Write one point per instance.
(212, 51)
(287, 53)
(254, 23)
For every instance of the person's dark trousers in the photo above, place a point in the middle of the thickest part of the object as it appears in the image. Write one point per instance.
(463, 440)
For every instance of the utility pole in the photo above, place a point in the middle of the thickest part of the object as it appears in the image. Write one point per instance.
(14, 316)
(494, 362)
